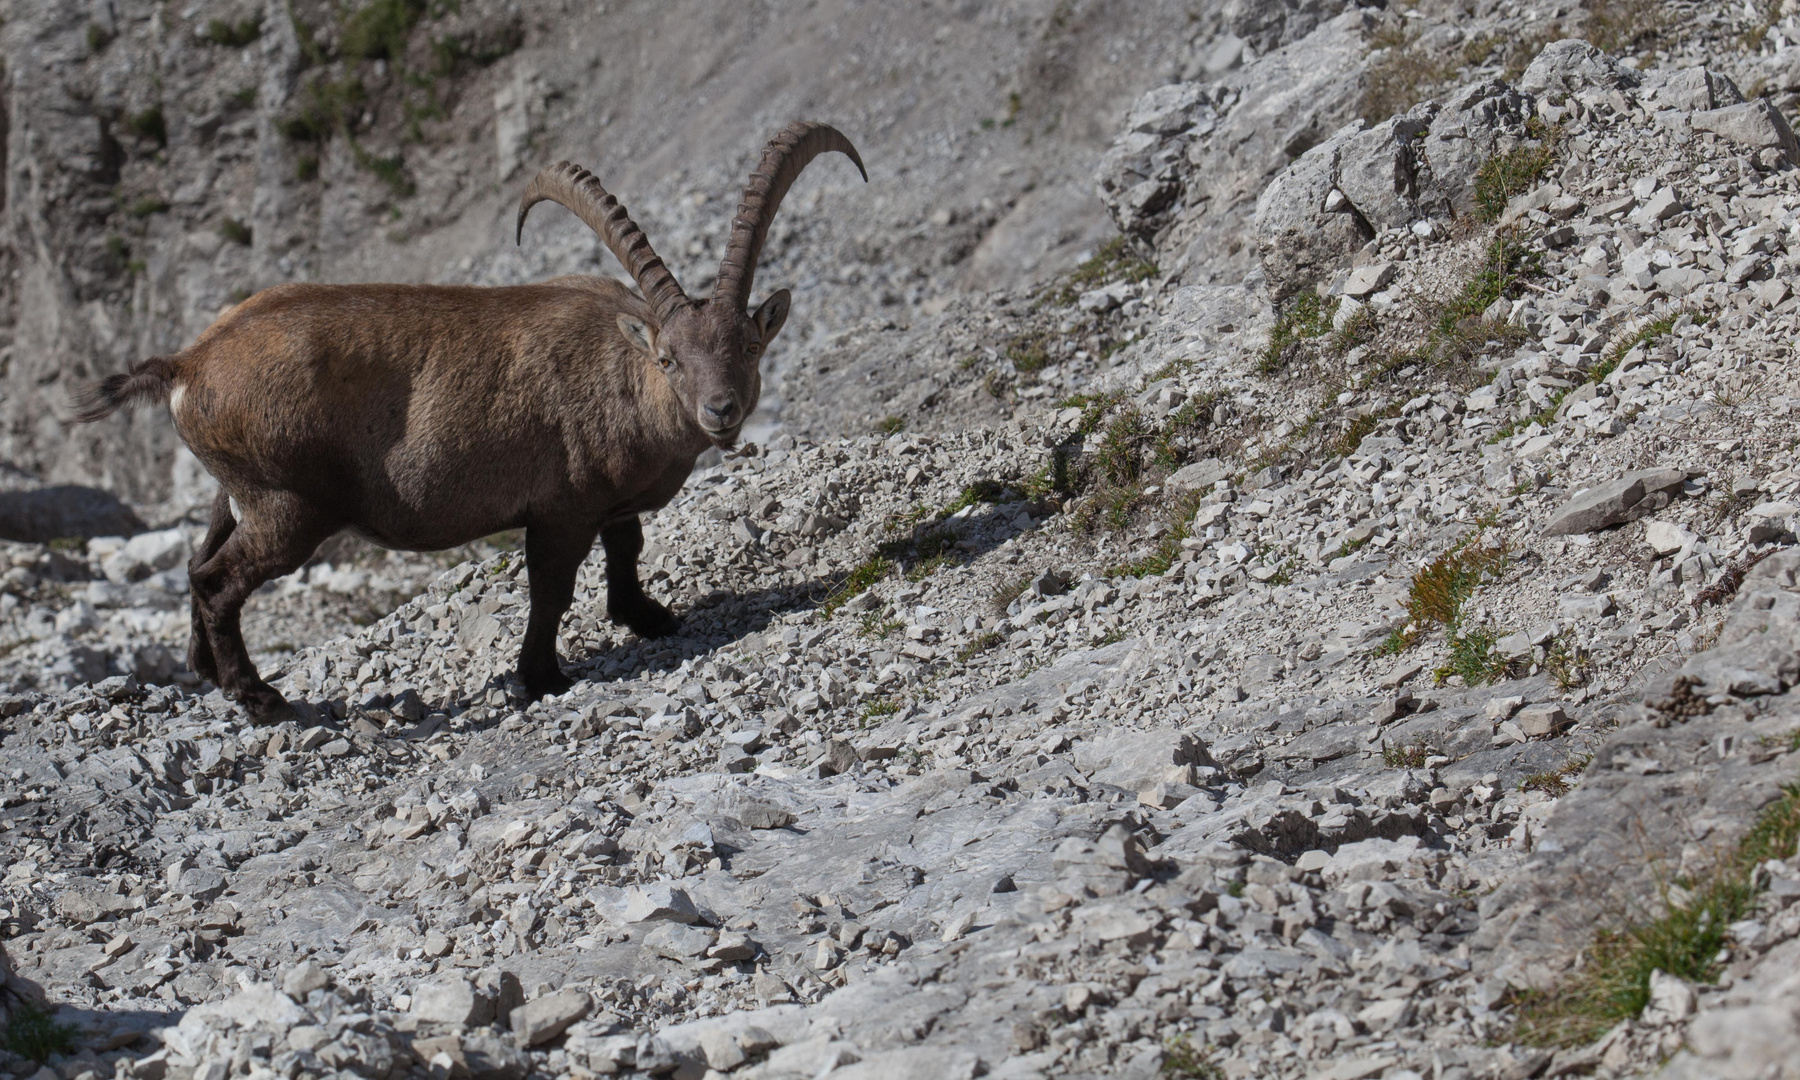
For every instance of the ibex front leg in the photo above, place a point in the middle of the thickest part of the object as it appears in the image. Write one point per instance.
(626, 601)
(553, 557)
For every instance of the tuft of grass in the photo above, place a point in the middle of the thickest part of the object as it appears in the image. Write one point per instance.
(1305, 316)
(326, 106)
(981, 643)
(98, 37)
(875, 625)
(1119, 457)
(1441, 587)
(379, 29)
(1115, 261)
(1508, 261)
(1623, 27)
(1030, 351)
(1401, 77)
(33, 1032)
(389, 170)
(148, 124)
(145, 205)
(1555, 782)
(1474, 657)
(1683, 939)
(1506, 175)
(1567, 663)
(1359, 329)
(1405, 757)
(880, 707)
(867, 573)
(1182, 1060)
(890, 425)
(1180, 519)
(232, 35)
(235, 231)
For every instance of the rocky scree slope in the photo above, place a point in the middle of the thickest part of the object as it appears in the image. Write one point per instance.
(972, 759)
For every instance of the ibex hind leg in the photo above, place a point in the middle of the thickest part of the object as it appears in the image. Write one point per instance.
(275, 536)
(200, 653)
(626, 601)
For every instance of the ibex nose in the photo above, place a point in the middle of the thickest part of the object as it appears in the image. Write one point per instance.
(721, 414)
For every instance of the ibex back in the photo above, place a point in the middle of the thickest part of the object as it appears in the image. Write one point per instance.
(422, 417)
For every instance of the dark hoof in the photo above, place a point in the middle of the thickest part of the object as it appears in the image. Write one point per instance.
(648, 620)
(201, 664)
(545, 683)
(265, 705)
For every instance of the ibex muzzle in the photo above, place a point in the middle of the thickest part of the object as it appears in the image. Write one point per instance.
(425, 416)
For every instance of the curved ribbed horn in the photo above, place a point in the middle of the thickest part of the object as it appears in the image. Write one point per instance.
(578, 190)
(782, 160)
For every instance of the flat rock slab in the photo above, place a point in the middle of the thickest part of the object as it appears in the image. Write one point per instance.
(1622, 500)
(542, 1019)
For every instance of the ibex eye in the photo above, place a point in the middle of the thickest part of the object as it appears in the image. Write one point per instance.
(665, 360)
(753, 348)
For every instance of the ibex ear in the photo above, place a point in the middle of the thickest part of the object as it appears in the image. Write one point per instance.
(639, 333)
(769, 317)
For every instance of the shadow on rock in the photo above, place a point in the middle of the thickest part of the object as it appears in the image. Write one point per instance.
(64, 510)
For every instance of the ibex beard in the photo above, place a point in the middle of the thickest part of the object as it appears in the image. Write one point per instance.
(422, 417)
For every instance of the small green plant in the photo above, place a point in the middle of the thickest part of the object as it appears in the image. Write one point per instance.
(1401, 77)
(1359, 329)
(235, 231)
(379, 29)
(145, 205)
(890, 425)
(1441, 587)
(1508, 174)
(1473, 656)
(1683, 939)
(856, 582)
(1304, 316)
(232, 35)
(98, 37)
(1006, 592)
(389, 170)
(1114, 261)
(34, 1032)
(1567, 663)
(880, 707)
(1119, 455)
(1030, 351)
(1405, 757)
(876, 625)
(117, 252)
(1182, 1060)
(243, 99)
(979, 644)
(148, 124)
(1555, 782)
(1622, 27)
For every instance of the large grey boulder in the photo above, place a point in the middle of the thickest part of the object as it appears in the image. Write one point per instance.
(1304, 225)
(1193, 158)
(1632, 496)
(1571, 66)
(1756, 124)
(1421, 165)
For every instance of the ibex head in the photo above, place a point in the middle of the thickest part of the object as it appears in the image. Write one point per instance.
(710, 350)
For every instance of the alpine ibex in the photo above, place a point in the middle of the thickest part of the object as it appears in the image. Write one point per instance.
(425, 416)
